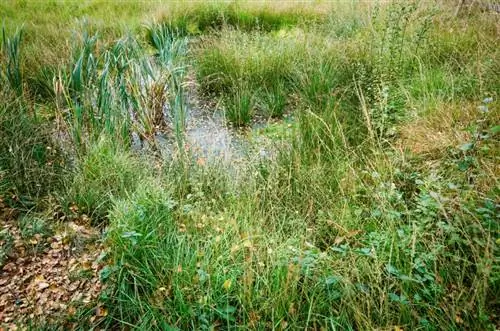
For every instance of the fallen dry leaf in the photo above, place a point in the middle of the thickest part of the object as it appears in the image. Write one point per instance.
(338, 240)
(43, 286)
(101, 311)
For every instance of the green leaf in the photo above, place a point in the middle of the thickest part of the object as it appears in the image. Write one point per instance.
(495, 129)
(398, 298)
(392, 270)
(228, 309)
(407, 278)
(227, 312)
(332, 280)
(394, 297)
(105, 273)
(366, 251)
(466, 147)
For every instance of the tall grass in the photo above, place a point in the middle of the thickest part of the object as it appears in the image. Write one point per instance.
(105, 172)
(205, 18)
(11, 53)
(340, 232)
(30, 163)
(263, 256)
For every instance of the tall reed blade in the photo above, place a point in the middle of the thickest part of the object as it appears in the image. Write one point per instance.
(11, 46)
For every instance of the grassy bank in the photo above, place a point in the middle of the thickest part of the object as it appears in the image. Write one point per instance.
(376, 209)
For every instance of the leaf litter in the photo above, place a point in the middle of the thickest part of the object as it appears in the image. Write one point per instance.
(50, 283)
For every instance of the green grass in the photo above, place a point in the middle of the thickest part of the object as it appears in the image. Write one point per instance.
(274, 100)
(30, 163)
(240, 105)
(11, 49)
(206, 18)
(376, 210)
(261, 73)
(103, 173)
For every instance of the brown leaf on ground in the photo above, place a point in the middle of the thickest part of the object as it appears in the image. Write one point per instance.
(51, 283)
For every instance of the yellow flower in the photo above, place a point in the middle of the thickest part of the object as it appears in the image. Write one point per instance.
(227, 284)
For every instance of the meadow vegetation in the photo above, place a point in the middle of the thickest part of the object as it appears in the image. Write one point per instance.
(378, 210)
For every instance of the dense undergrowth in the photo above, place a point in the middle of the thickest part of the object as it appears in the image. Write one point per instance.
(379, 210)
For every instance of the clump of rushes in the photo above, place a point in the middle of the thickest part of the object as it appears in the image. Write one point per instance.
(121, 89)
(273, 100)
(170, 45)
(239, 105)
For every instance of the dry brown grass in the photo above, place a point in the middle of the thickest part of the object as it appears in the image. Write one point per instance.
(443, 128)
(446, 128)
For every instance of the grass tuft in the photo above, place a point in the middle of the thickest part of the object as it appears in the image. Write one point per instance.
(104, 172)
